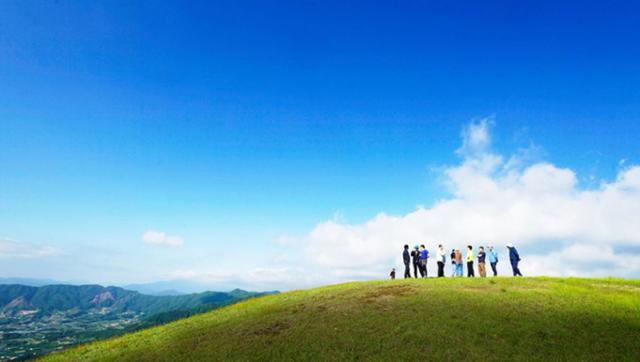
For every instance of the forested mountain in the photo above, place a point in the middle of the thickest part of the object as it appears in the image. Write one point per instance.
(36, 320)
(51, 298)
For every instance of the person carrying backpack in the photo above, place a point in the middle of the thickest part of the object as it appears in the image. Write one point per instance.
(493, 260)
(514, 257)
(415, 257)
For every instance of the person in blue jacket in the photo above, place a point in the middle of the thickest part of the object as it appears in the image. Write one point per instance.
(493, 260)
(514, 257)
(424, 256)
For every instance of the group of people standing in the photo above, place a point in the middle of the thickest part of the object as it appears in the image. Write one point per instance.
(419, 256)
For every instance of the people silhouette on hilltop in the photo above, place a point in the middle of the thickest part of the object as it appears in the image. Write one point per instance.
(419, 257)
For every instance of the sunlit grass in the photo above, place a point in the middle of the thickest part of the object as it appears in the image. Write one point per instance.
(438, 319)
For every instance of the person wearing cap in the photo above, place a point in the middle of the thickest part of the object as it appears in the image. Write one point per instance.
(493, 260)
(415, 257)
(481, 266)
(470, 257)
(514, 257)
(441, 260)
(407, 260)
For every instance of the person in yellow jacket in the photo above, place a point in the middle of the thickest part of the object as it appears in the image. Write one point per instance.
(470, 258)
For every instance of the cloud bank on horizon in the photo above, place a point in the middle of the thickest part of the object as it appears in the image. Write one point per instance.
(560, 227)
(10, 248)
(563, 229)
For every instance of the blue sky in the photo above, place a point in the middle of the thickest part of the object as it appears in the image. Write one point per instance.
(233, 125)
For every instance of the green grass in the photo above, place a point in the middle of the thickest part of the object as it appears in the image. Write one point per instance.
(437, 319)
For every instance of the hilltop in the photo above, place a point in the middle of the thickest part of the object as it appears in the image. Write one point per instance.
(439, 319)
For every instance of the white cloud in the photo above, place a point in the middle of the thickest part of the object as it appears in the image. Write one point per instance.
(537, 206)
(586, 260)
(153, 237)
(559, 227)
(13, 248)
(476, 138)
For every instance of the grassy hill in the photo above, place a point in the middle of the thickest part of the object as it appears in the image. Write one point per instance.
(439, 319)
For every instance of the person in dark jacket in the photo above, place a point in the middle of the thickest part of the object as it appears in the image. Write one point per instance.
(453, 262)
(481, 262)
(393, 274)
(514, 257)
(441, 261)
(415, 257)
(406, 258)
(424, 257)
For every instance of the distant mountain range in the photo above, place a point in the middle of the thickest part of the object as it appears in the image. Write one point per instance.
(164, 287)
(33, 282)
(172, 287)
(51, 298)
(39, 319)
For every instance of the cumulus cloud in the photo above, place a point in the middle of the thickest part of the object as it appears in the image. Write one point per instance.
(560, 227)
(160, 238)
(17, 249)
(587, 260)
(475, 138)
(538, 206)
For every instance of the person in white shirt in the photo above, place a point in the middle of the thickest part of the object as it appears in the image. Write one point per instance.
(441, 260)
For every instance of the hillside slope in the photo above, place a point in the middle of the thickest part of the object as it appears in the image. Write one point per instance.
(37, 320)
(450, 319)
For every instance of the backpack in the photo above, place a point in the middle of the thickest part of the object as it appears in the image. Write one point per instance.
(415, 255)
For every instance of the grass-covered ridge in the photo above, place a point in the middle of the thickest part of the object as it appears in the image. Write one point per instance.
(451, 319)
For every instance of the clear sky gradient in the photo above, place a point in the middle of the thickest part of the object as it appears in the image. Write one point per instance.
(230, 124)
